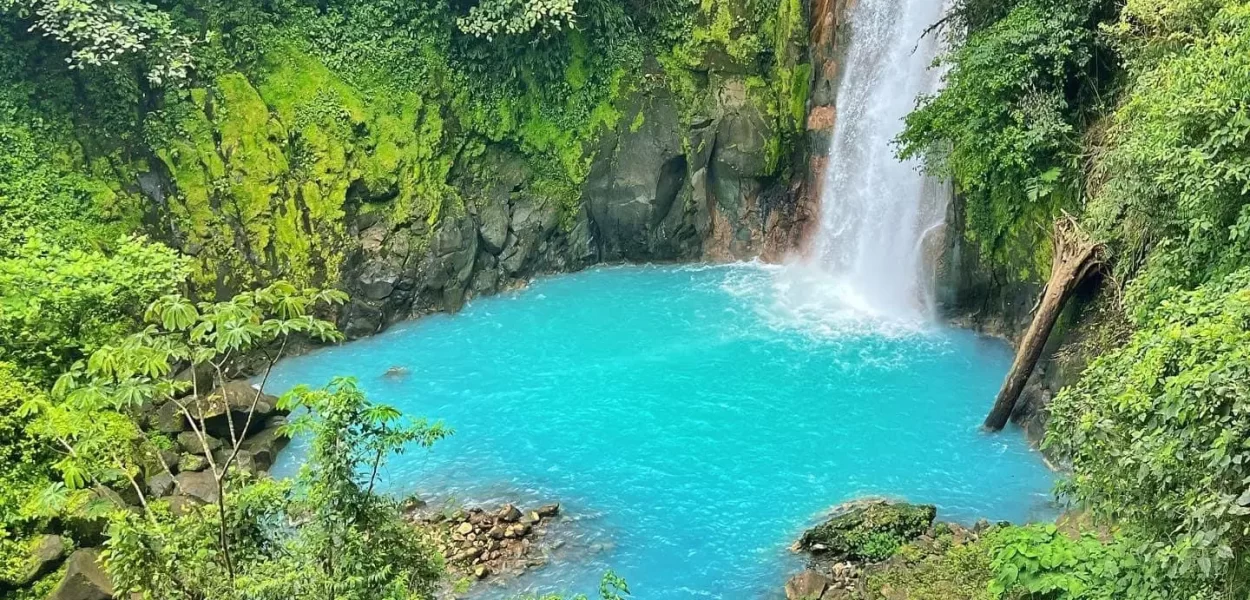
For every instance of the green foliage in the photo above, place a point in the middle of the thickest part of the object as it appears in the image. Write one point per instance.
(25, 471)
(490, 18)
(958, 571)
(325, 534)
(612, 587)
(1007, 127)
(58, 305)
(1158, 433)
(107, 32)
(1039, 561)
(1175, 169)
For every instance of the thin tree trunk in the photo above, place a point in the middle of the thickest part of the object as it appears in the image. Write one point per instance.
(1075, 255)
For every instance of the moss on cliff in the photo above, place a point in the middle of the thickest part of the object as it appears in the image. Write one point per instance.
(300, 119)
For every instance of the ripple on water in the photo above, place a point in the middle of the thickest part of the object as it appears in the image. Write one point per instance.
(692, 420)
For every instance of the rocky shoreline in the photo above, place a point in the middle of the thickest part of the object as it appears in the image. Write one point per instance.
(865, 540)
(478, 543)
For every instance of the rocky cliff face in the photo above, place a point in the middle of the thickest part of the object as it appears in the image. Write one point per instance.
(665, 184)
(416, 201)
(658, 190)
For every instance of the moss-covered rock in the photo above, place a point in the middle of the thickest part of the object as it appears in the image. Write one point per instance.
(868, 530)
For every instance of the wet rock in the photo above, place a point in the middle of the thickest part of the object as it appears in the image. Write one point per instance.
(396, 372)
(361, 319)
(548, 510)
(868, 530)
(84, 578)
(509, 514)
(807, 585)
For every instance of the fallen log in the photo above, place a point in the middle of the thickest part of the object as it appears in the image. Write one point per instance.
(1076, 255)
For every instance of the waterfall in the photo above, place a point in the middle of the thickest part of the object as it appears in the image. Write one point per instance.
(876, 211)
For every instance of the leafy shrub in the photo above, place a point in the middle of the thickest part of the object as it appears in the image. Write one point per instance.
(1174, 168)
(1039, 561)
(58, 305)
(1007, 126)
(1158, 433)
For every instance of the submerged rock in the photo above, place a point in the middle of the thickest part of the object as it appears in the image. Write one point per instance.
(497, 543)
(395, 372)
(867, 530)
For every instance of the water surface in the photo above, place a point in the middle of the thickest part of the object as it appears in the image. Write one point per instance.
(691, 420)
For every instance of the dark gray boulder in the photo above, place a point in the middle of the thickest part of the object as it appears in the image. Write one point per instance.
(46, 553)
(160, 484)
(199, 378)
(169, 418)
(84, 578)
(190, 442)
(200, 485)
(263, 447)
(239, 398)
(639, 173)
(493, 218)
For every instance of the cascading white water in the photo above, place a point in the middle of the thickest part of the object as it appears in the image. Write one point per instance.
(875, 210)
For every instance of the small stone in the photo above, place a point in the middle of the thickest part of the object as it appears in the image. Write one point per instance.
(498, 532)
(481, 572)
(465, 528)
(467, 555)
(531, 518)
(549, 510)
(509, 514)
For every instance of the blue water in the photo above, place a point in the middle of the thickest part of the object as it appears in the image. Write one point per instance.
(691, 420)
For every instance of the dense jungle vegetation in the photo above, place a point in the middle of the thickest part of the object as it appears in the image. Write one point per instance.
(1132, 115)
(1135, 117)
(173, 183)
